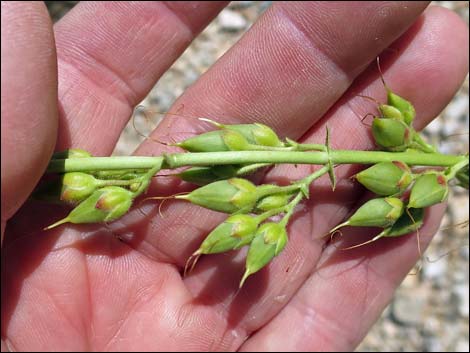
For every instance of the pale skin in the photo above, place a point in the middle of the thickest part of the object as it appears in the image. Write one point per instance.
(119, 286)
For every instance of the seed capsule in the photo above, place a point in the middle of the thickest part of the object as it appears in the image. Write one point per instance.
(234, 140)
(215, 141)
(391, 112)
(381, 212)
(405, 107)
(257, 134)
(269, 241)
(206, 175)
(104, 205)
(235, 232)
(272, 202)
(410, 221)
(71, 153)
(391, 134)
(227, 196)
(429, 189)
(386, 178)
(71, 187)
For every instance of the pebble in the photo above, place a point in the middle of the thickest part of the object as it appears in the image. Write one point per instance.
(231, 21)
(408, 308)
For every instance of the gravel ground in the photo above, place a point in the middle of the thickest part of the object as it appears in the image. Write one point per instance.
(430, 311)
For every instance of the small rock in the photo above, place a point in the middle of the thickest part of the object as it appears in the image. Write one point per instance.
(435, 270)
(231, 21)
(433, 344)
(408, 309)
(462, 345)
(461, 292)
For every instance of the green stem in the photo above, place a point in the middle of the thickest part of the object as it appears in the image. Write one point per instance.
(241, 157)
(306, 183)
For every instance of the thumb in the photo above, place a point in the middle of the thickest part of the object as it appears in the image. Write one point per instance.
(28, 100)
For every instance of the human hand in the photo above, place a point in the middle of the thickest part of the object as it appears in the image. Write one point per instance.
(78, 287)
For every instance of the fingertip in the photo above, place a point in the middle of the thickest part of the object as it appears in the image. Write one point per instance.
(29, 100)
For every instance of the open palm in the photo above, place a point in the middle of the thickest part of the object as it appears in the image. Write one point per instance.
(300, 67)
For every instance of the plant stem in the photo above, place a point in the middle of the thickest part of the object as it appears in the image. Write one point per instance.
(240, 157)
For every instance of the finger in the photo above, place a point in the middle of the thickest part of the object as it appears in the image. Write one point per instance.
(337, 305)
(29, 100)
(110, 55)
(242, 86)
(250, 84)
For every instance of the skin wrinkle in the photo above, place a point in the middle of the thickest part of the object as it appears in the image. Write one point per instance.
(336, 68)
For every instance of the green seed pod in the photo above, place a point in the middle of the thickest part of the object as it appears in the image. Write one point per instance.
(386, 178)
(381, 212)
(390, 112)
(269, 241)
(71, 188)
(235, 141)
(211, 141)
(257, 134)
(77, 186)
(272, 202)
(215, 141)
(71, 153)
(227, 196)
(206, 175)
(104, 205)
(429, 189)
(410, 221)
(235, 232)
(405, 107)
(391, 134)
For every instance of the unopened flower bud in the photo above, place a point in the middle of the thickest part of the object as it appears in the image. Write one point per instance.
(227, 196)
(269, 241)
(386, 178)
(429, 189)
